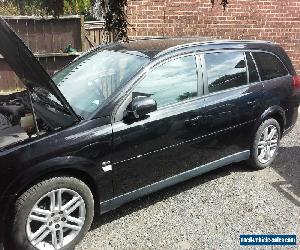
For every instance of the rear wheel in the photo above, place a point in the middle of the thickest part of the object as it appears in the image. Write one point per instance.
(265, 145)
(53, 214)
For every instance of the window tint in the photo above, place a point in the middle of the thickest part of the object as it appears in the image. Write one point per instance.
(269, 66)
(253, 75)
(171, 82)
(225, 70)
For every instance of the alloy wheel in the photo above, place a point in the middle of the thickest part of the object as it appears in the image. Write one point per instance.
(268, 144)
(56, 219)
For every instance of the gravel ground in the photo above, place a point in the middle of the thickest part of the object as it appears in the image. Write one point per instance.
(210, 211)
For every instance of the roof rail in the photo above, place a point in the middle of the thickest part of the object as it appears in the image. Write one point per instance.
(194, 44)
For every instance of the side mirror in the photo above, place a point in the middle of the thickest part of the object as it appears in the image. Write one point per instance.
(140, 107)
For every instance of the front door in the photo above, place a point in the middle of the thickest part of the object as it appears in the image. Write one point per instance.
(166, 142)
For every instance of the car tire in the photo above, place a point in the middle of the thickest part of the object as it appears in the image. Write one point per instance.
(265, 145)
(40, 208)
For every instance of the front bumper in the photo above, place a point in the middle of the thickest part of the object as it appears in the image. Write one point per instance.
(4, 226)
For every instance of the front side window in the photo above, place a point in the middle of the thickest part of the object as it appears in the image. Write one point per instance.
(269, 66)
(171, 82)
(225, 70)
(89, 81)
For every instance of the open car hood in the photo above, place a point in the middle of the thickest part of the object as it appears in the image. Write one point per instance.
(31, 72)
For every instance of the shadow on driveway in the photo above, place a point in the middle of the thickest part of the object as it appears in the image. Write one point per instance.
(287, 165)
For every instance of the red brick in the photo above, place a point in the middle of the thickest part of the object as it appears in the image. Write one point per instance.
(272, 20)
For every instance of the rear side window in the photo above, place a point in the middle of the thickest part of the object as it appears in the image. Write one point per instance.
(225, 70)
(269, 66)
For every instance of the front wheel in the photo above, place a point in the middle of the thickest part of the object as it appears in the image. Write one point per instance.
(265, 145)
(54, 214)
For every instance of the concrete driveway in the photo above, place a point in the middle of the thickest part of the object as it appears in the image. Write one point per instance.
(210, 211)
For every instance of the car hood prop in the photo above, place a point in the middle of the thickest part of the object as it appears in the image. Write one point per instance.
(19, 57)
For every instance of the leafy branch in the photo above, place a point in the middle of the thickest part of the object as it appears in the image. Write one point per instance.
(114, 14)
(113, 11)
(224, 3)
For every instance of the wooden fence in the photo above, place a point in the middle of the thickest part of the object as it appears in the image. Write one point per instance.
(48, 38)
(9, 81)
(95, 34)
(49, 35)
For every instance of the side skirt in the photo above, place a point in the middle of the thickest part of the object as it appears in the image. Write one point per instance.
(125, 198)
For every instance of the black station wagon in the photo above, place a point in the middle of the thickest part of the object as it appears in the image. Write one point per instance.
(127, 119)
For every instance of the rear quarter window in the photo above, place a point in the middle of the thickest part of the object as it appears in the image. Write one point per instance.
(269, 66)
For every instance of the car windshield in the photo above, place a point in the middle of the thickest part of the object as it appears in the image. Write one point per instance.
(90, 80)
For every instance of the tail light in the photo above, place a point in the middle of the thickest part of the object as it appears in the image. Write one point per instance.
(296, 82)
(296, 86)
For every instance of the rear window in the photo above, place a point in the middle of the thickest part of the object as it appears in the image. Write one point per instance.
(269, 66)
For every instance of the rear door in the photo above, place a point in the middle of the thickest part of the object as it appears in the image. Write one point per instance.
(167, 142)
(233, 96)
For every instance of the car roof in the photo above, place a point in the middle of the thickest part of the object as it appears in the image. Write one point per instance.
(154, 46)
(158, 46)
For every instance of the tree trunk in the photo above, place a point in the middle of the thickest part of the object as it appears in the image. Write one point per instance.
(21, 5)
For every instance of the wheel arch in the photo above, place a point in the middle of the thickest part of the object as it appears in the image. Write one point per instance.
(78, 167)
(275, 112)
(68, 172)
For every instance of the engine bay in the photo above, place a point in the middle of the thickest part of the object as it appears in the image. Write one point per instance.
(17, 119)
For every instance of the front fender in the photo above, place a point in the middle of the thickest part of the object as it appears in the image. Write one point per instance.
(81, 167)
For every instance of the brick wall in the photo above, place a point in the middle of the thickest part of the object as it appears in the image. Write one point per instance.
(274, 20)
